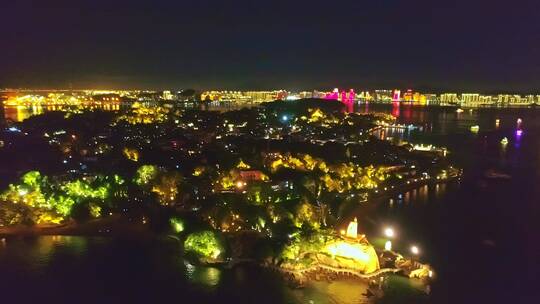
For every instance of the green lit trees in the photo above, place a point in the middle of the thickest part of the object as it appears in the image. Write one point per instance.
(37, 199)
(301, 244)
(339, 177)
(306, 214)
(204, 244)
(166, 185)
(32, 196)
(145, 174)
(177, 224)
(14, 214)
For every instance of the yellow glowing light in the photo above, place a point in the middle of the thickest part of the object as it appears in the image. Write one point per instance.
(352, 229)
(415, 250)
(242, 165)
(198, 171)
(347, 250)
(131, 154)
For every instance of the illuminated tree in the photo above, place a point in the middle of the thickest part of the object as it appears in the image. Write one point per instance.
(306, 214)
(242, 165)
(330, 183)
(62, 204)
(14, 214)
(167, 188)
(95, 210)
(131, 154)
(145, 174)
(198, 171)
(302, 244)
(54, 202)
(177, 224)
(204, 244)
(228, 180)
(32, 179)
(310, 162)
(338, 177)
(83, 189)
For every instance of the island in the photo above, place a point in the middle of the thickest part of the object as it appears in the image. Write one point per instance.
(276, 185)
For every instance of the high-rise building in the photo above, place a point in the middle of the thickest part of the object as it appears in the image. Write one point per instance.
(470, 99)
(382, 95)
(408, 95)
(318, 94)
(503, 98)
(396, 96)
(305, 94)
(449, 98)
(167, 95)
(431, 99)
(365, 96)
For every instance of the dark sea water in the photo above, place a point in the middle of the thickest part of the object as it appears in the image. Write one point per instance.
(481, 235)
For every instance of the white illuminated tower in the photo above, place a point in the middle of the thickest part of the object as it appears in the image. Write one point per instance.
(352, 229)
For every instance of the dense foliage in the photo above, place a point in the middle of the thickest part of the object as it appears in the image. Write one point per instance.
(41, 200)
(204, 244)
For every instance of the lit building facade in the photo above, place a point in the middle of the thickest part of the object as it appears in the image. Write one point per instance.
(449, 98)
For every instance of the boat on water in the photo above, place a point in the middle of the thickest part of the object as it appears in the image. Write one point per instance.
(459, 110)
(491, 173)
(475, 128)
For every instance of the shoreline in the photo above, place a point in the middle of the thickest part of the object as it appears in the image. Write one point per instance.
(412, 186)
(114, 225)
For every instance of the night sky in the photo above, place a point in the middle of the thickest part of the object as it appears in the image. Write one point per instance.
(487, 46)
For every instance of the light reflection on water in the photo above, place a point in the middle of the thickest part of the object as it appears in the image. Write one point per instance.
(202, 275)
(417, 195)
(344, 292)
(20, 113)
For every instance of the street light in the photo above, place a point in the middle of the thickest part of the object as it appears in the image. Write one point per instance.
(389, 232)
(415, 250)
(388, 246)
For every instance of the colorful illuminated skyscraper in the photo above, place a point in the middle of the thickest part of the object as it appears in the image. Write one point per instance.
(396, 96)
